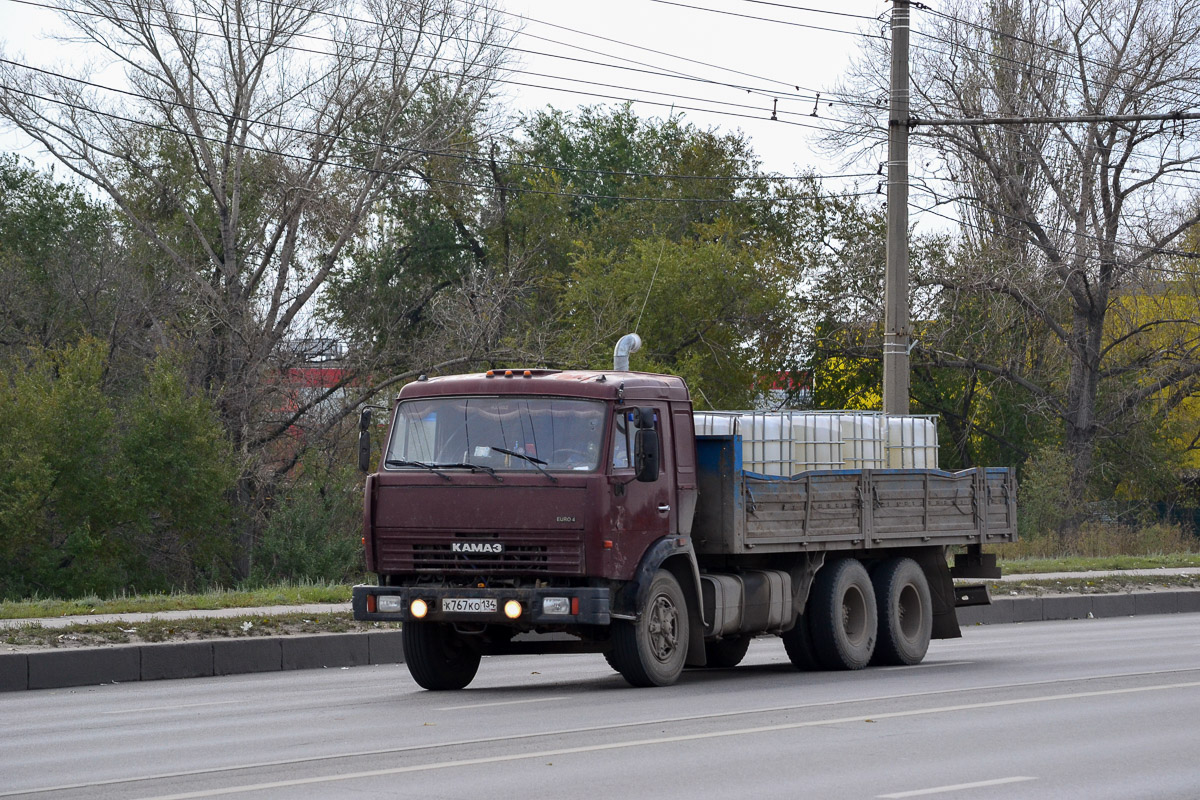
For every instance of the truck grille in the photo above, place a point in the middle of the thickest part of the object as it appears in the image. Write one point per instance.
(551, 553)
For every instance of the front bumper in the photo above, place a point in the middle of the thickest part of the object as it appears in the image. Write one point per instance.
(591, 604)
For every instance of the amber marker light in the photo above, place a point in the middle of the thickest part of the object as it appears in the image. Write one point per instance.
(419, 608)
(512, 609)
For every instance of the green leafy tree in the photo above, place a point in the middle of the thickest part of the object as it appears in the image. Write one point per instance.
(102, 494)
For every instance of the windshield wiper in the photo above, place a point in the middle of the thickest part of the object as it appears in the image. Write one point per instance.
(472, 467)
(537, 462)
(398, 462)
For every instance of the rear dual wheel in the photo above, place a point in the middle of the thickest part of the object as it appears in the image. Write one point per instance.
(905, 612)
(855, 618)
(842, 616)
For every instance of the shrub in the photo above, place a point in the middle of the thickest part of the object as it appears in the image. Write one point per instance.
(100, 496)
(1043, 503)
(314, 532)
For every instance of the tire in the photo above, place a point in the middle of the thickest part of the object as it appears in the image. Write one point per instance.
(651, 651)
(726, 653)
(843, 619)
(437, 657)
(905, 612)
(798, 644)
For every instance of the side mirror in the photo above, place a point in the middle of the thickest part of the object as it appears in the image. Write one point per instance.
(646, 447)
(364, 440)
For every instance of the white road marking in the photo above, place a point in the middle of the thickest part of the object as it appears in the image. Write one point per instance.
(592, 729)
(929, 665)
(503, 703)
(599, 748)
(958, 787)
(171, 708)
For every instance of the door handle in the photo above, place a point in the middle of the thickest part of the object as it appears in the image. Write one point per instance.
(663, 508)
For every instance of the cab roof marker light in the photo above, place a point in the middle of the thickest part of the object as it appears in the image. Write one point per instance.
(491, 373)
(508, 373)
(528, 373)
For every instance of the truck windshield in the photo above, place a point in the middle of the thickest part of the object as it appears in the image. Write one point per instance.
(502, 433)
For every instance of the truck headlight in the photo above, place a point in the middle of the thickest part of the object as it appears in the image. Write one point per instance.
(556, 605)
(389, 603)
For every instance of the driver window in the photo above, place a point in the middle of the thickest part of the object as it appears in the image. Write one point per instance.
(622, 445)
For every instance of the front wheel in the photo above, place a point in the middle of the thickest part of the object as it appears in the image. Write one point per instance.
(437, 657)
(651, 650)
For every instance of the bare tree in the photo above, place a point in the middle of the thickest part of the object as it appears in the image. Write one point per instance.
(1069, 281)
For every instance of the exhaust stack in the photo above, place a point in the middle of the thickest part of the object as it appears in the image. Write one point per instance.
(629, 343)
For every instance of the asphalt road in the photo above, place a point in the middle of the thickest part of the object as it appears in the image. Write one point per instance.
(1090, 708)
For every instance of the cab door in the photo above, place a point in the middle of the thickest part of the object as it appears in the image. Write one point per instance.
(642, 512)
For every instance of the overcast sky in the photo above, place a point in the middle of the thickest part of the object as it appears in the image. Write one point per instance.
(553, 66)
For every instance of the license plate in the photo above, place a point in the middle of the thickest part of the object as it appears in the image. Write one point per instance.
(468, 605)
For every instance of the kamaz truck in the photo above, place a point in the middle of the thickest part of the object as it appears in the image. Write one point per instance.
(542, 511)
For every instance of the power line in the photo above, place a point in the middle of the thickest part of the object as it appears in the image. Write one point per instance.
(654, 72)
(813, 10)
(772, 115)
(1175, 116)
(459, 155)
(768, 19)
(1021, 66)
(644, 49)
(392, 173)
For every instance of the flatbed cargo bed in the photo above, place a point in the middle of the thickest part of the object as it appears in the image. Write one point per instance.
(740, 512)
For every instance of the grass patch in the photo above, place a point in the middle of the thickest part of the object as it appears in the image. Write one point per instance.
(1034, 565)
(1116, 584)
(281, 595)
(91, 635)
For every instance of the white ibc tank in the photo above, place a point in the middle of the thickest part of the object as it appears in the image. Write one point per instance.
(912, 442)
(716, 423)
(779, 442)
(863, 440)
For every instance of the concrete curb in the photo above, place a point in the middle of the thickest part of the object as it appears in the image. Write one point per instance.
(53, 669)
(88, 666)
(1079, 606)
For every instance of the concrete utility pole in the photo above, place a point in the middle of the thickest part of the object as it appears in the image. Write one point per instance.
(895, 336)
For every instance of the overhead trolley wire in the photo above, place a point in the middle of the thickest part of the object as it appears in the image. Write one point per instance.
(768, 19)
(697, 62)
(391, 173)
(765, 113)
(458, 155)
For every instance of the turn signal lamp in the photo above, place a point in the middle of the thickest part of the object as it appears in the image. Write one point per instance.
(512, 609)
(419, 608)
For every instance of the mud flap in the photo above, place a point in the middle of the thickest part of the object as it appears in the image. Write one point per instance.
(941, 592)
